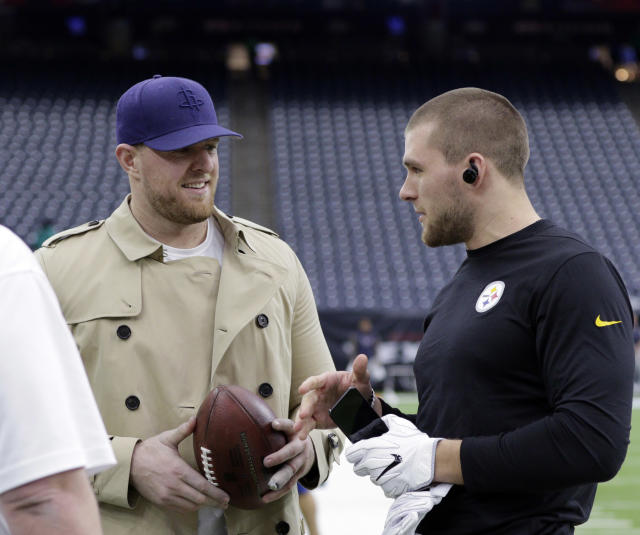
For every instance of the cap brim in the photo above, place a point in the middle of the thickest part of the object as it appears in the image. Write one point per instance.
(188, 136)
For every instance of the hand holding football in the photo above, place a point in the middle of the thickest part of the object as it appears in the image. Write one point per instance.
(232, 437)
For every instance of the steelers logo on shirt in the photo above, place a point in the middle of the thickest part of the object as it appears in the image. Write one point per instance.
(490, 296)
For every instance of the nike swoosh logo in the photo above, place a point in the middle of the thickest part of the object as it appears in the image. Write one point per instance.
(397, 459)
(600, 323)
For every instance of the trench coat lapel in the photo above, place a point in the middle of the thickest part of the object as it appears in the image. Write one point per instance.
(247, 282)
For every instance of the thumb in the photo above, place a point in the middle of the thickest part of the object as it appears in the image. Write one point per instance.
(408, 524)
(173, 437)
(360, 371)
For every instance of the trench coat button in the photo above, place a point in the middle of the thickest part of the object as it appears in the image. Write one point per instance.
(132, 403)
(123, 332)
(282, 528)
(262, 320)
(265, 390)
(93, 223)
(334, 442)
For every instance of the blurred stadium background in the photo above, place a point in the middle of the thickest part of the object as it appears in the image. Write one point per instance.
(321, 90)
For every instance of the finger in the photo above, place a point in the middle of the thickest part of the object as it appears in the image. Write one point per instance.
(391, 490)
(283, 424)
(308, 404)
(376, 465)
(304, 427)
(365, 466)
(214, 494)
(360, 371)
(275, 495)
(194, 480)
(304, 419)
(354, 453)
(356, 458)
(362, 470)
(314, 382)
(409, 523)
(287, 452)
(173, 437)
(177, 492)
(281, 477)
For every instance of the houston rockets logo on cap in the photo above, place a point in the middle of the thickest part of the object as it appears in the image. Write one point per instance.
(189, 100)
(490, 296)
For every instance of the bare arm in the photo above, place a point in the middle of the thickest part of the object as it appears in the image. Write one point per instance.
(61, 504)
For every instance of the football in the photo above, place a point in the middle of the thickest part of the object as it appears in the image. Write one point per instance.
(233, 435)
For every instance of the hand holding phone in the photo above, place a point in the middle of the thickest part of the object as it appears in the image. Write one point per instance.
(320, 393)
(356, 418)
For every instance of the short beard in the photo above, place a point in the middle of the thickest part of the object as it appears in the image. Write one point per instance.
(453, 225)
(171, 209)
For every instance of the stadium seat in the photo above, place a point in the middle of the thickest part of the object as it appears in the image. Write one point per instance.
(338, 139)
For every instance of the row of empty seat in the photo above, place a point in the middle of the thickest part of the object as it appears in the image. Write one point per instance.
(337, 140)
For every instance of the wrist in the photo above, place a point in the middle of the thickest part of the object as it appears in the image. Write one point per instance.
(372, 398)
(310, 454)
(133, 463)
(447, 466)
(311, 478)
(374, 402)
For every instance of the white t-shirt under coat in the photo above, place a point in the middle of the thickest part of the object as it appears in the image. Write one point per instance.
(212, 246)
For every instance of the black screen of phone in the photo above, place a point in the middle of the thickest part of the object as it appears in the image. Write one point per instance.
(352, 413)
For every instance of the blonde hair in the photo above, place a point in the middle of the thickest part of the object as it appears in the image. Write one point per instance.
(470, 119)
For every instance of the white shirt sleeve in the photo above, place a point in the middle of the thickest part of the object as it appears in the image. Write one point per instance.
(49, 419)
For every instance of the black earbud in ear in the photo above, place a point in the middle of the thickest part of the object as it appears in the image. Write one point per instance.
(470, 174)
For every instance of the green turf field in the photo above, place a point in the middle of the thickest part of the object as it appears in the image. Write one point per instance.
(616, 510)
(617, 506)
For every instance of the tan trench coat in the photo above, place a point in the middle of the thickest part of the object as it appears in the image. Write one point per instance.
(154, 342)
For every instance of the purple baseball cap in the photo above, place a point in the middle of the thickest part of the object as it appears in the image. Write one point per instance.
(167, 113)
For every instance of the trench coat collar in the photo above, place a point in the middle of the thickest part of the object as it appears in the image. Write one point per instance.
(135, 243)
(233, 234)
(128, 235)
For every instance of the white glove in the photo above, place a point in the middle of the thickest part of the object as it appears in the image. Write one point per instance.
(400, 460)
(407, 511)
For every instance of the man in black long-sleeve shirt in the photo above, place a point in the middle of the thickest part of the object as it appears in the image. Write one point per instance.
(534, 382)
(526, 364)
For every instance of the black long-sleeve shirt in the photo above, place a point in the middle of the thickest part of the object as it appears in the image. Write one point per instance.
(527, 356)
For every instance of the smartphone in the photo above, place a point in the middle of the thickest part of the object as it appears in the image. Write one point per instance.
(355, 417)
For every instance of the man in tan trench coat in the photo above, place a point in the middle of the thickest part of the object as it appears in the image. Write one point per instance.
(167, 298)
